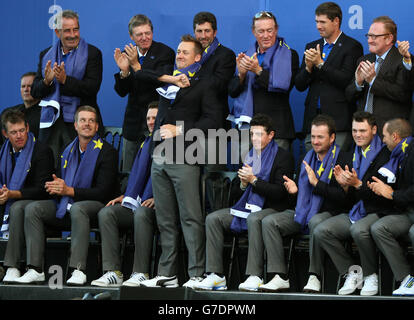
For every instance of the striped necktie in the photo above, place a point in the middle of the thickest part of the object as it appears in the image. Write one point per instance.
(370, 100)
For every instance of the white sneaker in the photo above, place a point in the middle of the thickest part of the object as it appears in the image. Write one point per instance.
(109, 279)
(277, 284)
(192, 282)
(31, 276)
(313, 285)
(370, 287)
(353, 281)
(212, 282)
(78, 278)
(161, 281)
(11, 275)
(252, 283)
(136, 279)
(406, 288)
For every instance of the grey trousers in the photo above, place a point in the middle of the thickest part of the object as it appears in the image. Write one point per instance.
(129, 151)
(343, 139)
(280, 225)
(39, 213)
(217, 223)
(15, 244)
(331, 234)
(385, 232)
(176, 189)
(113, 218)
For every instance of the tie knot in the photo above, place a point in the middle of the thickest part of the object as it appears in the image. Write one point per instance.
(380, 60)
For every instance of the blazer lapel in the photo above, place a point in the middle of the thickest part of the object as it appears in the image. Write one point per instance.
(336, 48)
(184, 91)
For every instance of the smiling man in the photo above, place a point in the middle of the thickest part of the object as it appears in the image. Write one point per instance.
(260, 188)
(264, 77)
(69, 75)
(327, 68)
(175, 176)
(370, 155)
(381, 83)
(218, 62)
(140, 64)
(87, 178)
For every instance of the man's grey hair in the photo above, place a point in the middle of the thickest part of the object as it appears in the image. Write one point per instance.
(139, 20)
(68, 14)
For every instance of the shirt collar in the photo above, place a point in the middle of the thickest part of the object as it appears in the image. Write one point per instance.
(140, 54)
(325, 42)
(384, 55)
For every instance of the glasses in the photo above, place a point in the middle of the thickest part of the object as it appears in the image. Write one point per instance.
(262, 14)
(375, 36)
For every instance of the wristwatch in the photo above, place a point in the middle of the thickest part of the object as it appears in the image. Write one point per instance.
(319, 66)
(254, 182)
(121, 74)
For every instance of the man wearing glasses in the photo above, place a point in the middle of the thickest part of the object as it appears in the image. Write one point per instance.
(381, 83)
(327, 68)
(265, 75)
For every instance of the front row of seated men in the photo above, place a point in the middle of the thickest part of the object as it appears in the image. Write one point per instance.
(366, 196)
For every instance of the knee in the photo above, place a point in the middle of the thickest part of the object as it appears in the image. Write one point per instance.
(31, 211)
(77, 213)
(358, 231)
(143, 215)
(411, 234)
(253, 220)
(105, 215)
(320, 232)
(268, 224)
(377, 229)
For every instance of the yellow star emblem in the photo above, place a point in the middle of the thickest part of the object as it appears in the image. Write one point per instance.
(98, 144)
(333, 151)
(320, 170)
(364, 153)
(176, 72)
(404, 145)
(191, 74)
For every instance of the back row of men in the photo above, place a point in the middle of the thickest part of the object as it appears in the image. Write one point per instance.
(339, 78)
(336, 196)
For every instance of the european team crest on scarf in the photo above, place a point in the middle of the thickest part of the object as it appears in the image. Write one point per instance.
(361, 162)
(389, 170)
(169, 91)
(78, 174)
(308, 204)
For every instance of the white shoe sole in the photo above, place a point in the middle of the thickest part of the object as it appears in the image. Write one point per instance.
(105, 285)
(273, 290)
(211, 288)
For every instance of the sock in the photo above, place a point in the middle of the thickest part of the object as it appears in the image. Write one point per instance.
(314, 274)
(37, 269)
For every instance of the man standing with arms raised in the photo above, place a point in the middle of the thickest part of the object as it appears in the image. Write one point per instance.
(139, 65)
(327, 68)
(69, 75)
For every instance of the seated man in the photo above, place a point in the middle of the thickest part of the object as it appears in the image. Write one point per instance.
(260, 193)
(25, 166)
(369, 156)
(318, 197)
(88, 178)
(388, 230)
(133, 209)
